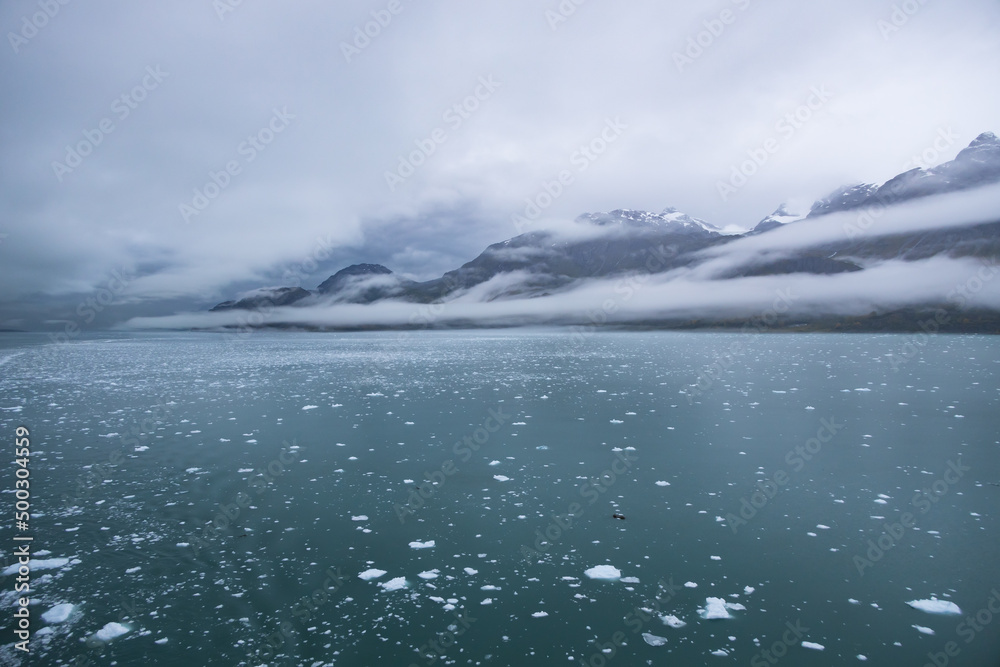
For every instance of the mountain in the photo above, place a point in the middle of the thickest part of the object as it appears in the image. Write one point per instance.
(264, 297)
(626, 241)
(780, 217)
(363, 283)
(978, 164)
(670, 221)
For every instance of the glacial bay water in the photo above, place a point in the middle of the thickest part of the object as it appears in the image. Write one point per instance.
(472, 476)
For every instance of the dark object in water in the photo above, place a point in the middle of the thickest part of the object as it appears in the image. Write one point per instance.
(616, 515)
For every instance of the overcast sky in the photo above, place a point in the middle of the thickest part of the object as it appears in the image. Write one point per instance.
(309, 118)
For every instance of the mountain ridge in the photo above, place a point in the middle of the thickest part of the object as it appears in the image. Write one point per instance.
(618, 242)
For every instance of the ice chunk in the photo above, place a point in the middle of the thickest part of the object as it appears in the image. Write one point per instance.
(720, 653)
(59, 613)
(501, 478)
(662, 483)
(932, 606)
(813, 645)
(34, 565)
(604, 572)
(653, 640)
(429, 544)
(540, 614)
(429, 574)
(690, 584)
(360, 517)
(309, 407)
(394, 584)
(469, 570)
(112, 630)
(672, 621)
(920, 628)
(371, 574)
(717, 608)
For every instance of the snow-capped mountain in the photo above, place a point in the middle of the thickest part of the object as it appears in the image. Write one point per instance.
(669, 221)
(780, 217)
(624, 241)
(978, 164)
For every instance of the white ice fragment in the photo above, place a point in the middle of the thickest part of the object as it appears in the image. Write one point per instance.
(540, 614)
(672, 621)
(920, 628)
(58, 613)
(653, 640)
(935, 606)
(394, 584)
(111, 630)
(34, 565)
(813, 645)
(309, 407)
(604, 572)
(717, 608)
(429, 544)
(371, 574)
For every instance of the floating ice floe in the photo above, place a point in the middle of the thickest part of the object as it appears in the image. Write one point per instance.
(501, 478)
(309, 407)
(360, 517)
(814, 646)
(111, 630)
(629, 580)
(35, 564)
(429, 544)
(661, 483)
(429, 574)
(717, 608)
(58, 613)
(394, 584)
(540, 614)
(653, 640)
(604, 572)
(920, 628)
(932, 606)
(371, 574)
(672, 621)
(132, 570)
(719, 652)
(690, 584)
(470, 571)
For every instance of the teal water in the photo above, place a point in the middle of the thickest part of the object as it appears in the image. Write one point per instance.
(318, 446)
